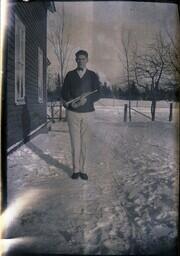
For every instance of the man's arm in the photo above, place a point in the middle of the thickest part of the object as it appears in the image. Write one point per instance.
(96, 86)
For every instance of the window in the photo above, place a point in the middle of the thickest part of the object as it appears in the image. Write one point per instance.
(19, 61)
(40, 75)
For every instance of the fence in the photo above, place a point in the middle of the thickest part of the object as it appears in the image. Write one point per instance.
(164, 110)
(55, 111)
(143, 110)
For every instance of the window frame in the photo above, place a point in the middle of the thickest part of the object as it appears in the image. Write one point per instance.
(20, 48)
(40, 75)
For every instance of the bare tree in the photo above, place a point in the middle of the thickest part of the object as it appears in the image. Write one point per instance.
(59, 38)
(174, 56)
(151, 68)
(129, 47)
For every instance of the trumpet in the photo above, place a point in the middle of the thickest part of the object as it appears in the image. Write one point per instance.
(84, 95)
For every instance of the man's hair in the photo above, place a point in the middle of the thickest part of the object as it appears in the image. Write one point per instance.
(82, 52)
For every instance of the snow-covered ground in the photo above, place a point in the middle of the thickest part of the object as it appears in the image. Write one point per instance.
(128, 205)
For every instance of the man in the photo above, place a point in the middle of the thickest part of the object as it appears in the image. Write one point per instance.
(78, 82)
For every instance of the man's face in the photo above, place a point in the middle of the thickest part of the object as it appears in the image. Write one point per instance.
(81, 61)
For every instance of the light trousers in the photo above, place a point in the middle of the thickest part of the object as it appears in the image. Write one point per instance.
(78, 124)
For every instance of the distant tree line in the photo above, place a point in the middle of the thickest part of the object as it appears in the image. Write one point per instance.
(106, 91)
(132, 92)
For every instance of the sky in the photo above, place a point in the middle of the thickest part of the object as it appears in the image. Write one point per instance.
(97, 27)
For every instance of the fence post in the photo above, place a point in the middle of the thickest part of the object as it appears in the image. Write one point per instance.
(170, 111)
(60, 111)
(52, 113)
(125, 112)
(129, 108)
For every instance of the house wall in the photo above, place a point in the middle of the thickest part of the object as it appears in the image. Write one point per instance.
(22, 119)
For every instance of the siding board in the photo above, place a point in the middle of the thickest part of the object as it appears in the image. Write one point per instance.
(34, 18)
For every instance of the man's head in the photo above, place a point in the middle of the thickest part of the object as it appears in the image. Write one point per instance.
(81, 58)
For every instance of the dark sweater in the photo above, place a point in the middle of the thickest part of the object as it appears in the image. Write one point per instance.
(74, 86)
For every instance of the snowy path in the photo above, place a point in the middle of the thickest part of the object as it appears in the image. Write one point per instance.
(141, 159)
(127, 206)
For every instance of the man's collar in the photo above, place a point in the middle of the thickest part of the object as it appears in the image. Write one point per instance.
(81, 69)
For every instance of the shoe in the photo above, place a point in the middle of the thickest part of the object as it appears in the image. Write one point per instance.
(75, 175)
(83, 176)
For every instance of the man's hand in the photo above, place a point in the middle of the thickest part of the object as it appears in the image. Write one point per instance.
(65, 104)
(81, 102)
